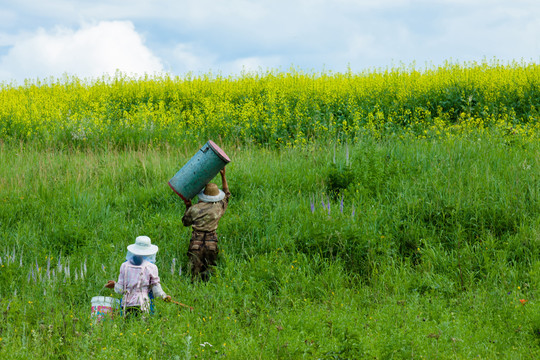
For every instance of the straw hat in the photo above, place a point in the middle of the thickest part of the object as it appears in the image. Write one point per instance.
(143, 246)
(211, 193)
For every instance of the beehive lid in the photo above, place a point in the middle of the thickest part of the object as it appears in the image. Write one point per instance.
(218, 151)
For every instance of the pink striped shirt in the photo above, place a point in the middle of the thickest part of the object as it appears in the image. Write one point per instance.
(135, 282)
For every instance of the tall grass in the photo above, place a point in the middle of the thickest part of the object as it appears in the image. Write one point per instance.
(392, 248)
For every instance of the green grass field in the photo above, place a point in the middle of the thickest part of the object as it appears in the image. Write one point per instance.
(382, 249)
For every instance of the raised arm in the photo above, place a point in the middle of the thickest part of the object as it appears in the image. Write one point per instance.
(224, 181)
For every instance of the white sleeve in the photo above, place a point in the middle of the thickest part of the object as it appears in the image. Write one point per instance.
(118, 289)
(119, 285)
(158, 291)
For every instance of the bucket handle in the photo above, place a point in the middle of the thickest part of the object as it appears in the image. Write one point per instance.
(104, 289)
(100, 293)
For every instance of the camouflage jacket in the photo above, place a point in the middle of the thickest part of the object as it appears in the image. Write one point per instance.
(205, 216)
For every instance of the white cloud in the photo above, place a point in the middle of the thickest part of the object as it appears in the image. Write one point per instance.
(254, 64)
(187, 58)
(235, 35)
(91, 51)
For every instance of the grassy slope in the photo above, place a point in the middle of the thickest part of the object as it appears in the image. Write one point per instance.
(434, 247)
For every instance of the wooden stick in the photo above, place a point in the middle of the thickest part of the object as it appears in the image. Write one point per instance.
(184, 305)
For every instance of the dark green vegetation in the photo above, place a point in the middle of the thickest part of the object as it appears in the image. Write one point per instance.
(382, 249)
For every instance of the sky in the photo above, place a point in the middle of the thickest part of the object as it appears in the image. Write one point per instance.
(44, 39)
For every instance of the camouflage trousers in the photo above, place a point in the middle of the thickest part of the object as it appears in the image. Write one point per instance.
(202, 253)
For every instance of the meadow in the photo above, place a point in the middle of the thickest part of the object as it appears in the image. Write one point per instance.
(369, 218)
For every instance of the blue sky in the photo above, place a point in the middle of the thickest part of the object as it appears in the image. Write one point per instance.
(89, 38)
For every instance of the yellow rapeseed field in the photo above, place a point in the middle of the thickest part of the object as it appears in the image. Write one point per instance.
(277, 108)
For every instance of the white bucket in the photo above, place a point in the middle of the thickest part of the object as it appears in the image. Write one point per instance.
(104, 306)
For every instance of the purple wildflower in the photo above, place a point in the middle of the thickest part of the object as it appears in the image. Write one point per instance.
(180, 270)
(173, 266)
(49, 267)
(328, 205)
(312, 206)
(352, 211)
(341, 205)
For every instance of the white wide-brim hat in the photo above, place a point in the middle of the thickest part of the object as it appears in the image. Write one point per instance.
(209, 198)
(143, 246)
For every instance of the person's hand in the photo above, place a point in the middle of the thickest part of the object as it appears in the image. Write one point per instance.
(222, 171)
(167, 298)
(110, 284)
(188, 203)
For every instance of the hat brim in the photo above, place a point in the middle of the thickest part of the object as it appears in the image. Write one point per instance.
(209, 198)
(143, 251)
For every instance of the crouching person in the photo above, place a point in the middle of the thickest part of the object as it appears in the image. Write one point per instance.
(139, 279)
